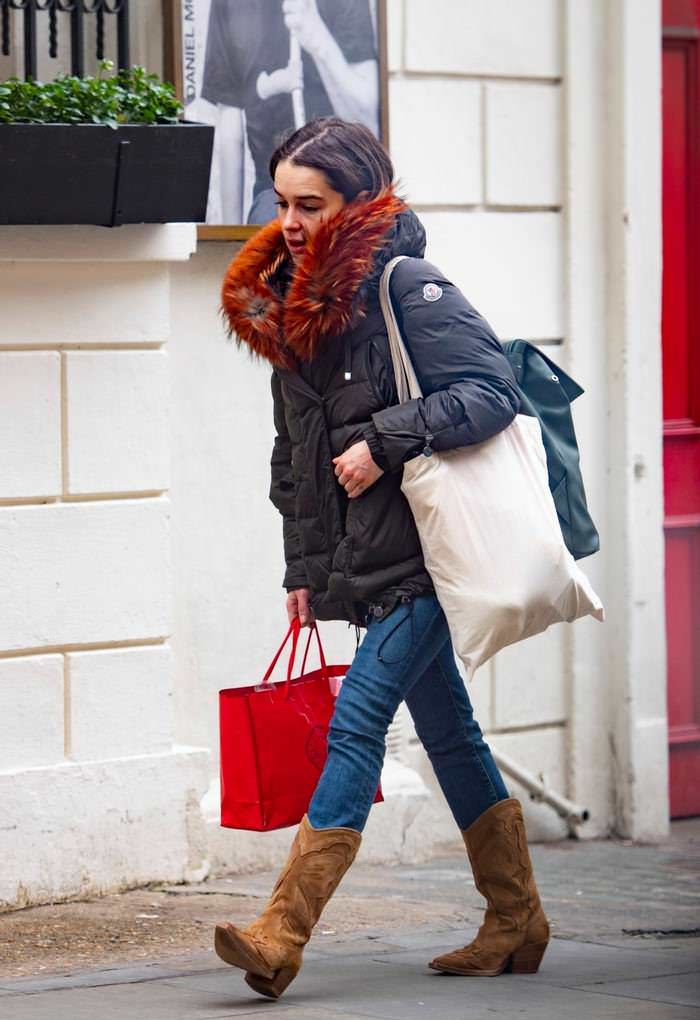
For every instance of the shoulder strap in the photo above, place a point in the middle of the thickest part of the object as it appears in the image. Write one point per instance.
(407, 383)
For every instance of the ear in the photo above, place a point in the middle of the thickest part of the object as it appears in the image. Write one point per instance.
(362, 196)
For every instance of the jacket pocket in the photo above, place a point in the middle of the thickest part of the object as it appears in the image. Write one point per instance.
(342, 560)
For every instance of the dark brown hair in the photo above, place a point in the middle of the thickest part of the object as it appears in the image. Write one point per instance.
(350, 156)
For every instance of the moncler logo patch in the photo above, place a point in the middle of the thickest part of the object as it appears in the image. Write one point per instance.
(431, 292)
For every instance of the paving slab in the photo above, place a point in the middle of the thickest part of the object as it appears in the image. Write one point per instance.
(573, 964)
(625, 919)
(356, 947)
(429, 941)
(383, 988)
(142, 1001)
(682, 989)
(129, 974)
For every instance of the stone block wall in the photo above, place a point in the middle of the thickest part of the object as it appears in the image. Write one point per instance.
(90, 776)
(476, 135)
(477, 138)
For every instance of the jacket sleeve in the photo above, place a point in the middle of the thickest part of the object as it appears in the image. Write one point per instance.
(470, 392)
(283, 493)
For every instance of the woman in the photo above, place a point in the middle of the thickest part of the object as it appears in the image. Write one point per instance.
(303, 294)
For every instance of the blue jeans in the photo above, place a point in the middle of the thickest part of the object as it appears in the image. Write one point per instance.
(407, 656)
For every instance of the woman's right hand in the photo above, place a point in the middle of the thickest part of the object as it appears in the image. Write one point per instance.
(298, 605)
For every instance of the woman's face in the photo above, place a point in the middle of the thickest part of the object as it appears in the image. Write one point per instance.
(304, 200)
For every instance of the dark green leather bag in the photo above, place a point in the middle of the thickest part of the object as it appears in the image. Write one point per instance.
(546, 393)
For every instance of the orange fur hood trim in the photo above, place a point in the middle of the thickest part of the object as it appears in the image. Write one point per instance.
(322, 299)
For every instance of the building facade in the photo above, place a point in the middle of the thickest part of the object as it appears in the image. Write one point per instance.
(140, 562)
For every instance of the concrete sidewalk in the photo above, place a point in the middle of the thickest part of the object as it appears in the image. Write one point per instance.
(625, 919)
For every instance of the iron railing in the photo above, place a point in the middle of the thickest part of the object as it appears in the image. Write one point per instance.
(82, 13)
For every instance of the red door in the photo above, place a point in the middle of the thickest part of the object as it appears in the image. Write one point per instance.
(681, 381)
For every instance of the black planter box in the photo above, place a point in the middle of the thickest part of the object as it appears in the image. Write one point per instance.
(87, 173)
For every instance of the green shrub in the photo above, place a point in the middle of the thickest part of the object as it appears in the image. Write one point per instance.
(128, 97)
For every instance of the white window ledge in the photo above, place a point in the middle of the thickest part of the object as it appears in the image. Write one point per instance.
(141, 242)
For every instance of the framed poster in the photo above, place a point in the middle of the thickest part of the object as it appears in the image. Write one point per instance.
(259, 69)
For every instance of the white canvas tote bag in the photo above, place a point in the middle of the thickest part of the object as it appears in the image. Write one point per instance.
(489, 530)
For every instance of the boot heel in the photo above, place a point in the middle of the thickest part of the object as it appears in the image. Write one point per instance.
(272, 987)
(526, 960)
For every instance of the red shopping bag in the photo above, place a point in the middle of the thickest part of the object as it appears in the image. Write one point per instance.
(273, 741)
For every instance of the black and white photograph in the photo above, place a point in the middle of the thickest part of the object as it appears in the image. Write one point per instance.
(259, 69)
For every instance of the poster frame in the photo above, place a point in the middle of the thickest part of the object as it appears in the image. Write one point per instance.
(173, 71)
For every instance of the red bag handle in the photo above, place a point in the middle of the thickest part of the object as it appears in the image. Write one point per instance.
(322, 658)
(294, 632)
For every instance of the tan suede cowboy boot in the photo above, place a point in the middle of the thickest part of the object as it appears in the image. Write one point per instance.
(515, 931)
(271, 948)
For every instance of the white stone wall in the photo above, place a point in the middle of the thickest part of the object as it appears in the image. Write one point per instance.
(140, 559)
(95, 793)
(476, 136)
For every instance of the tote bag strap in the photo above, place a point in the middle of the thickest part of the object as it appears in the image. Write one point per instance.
(407, 384)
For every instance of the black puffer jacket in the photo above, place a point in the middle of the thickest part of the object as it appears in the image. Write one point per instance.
(321, 327)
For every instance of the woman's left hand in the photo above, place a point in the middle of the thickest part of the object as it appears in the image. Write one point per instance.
(355, 469)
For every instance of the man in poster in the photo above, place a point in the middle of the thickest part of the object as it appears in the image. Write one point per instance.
(262, 53)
